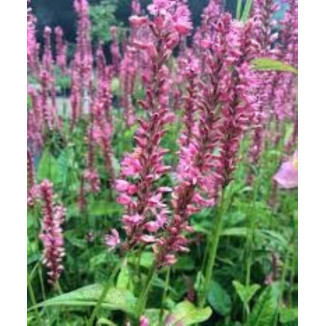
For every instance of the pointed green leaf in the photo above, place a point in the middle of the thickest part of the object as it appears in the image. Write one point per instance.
(124, 277)
(266, 64)
(245, 293)
(116, 299)
(48, 168)
(265, 309)
(188, 314)
(219, 299)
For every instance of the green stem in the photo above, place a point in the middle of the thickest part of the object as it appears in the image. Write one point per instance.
(103, 295)
(214, 241)
(283, 277)
(166, 286)
(32, 296)
(239, 5)
(40, 274)
(144, 294)
(58, 287)
(251, 230)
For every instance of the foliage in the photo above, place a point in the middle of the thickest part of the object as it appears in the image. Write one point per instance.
(103, 17)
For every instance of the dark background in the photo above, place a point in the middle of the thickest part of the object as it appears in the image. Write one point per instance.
(60, 12)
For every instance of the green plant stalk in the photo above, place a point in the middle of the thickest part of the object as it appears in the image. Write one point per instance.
(32, 296)
(103, 295)
(58, 287)
(239, 5)
(166, 287)
(246, 10)
(251, 229)
(141, 304)
(283, 277)
(40, 274)
(212, 252)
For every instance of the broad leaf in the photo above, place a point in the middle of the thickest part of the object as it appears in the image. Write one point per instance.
(116, 299)
(288, 315)
(245, 293)
(48, 168)
(266, 64)
(123, 277)
(188, 314)
(265, 309)
(146, 259)
(219, 299)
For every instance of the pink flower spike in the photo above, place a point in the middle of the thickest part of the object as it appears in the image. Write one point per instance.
(287, 175)
(113, 239)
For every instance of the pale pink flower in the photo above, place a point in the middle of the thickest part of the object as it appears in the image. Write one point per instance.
(144, 321)
(112, 240)
(287, 175)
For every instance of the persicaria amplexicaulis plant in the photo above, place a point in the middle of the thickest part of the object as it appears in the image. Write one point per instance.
(150, 154)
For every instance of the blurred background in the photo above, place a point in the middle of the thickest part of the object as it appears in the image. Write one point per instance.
(104, 14)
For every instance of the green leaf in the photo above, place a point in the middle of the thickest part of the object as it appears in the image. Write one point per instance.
(265, 64)
(77, 242)
(265, 309)
(63, 166)
(246, 10)
(185, 263)
(104, 208)
(124, 277)
(188, 314)
(235, 232)
(116, 299)
(146, 259)
(219, 299)
(288, 315)
(98, 260)
(245, 293)
(48, 168)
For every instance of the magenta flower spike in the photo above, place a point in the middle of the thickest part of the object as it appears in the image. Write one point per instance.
(128, 74)
(51, 233)
(146, 212)
(32, 187)
(61, 49)
(287, 175)
(32, 45)
(83, 59)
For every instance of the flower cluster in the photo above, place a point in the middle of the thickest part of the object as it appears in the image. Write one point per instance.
(51, 233)
(61, 49)
(32, 45)
(83, 59)
(146, 212)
